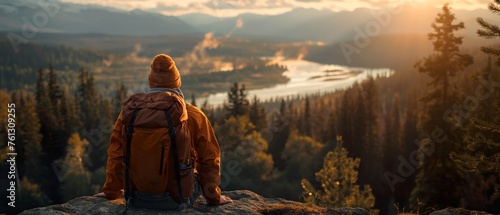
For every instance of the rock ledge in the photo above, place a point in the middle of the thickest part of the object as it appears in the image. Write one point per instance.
(245, 202)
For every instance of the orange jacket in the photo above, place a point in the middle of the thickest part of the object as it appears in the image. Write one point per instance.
(207, 157)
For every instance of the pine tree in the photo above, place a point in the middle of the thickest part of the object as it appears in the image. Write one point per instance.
(120, 97)
(368, 130)
(237, 101)
(44, 107)
(409, 136)
(391, 149)
(438, 180)
(71, 121)
(55, 92)
(257, 115)
(64, 109)
(52, 146)
(371, 106)
(29, 150)
(482, 140)
(346, 121)
(359, 123)
(280, 132)
(305, 119)
(320, 121)
(100, 147)
(359, 129)
(338, 182)
(483, 149)
(106, 108)
(330, 128)
(41, 89)
(485, 109)
(490, 30)
(88, 100)
(392, 138)
(28, 137)
(60, 133)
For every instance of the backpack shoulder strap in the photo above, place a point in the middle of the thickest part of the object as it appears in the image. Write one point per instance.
(176, 156)
(129, 133)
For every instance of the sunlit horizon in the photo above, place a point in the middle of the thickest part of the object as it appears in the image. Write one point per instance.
(230, 8)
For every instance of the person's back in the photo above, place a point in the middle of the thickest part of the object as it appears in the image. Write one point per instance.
(164, 94)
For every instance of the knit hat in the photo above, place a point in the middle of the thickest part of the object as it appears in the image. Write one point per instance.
(164, 73)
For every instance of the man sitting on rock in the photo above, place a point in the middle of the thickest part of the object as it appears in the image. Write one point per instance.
(163, 148)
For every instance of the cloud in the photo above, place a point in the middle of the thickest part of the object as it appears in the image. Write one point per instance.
(168, 7)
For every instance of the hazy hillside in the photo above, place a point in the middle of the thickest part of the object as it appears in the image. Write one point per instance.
(397, 51)
(331, 27)
(175, 45)
(394, 51)
(198, 19)
(74, 18)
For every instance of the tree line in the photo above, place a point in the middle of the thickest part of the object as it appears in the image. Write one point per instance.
(23, 65)
(61, 139)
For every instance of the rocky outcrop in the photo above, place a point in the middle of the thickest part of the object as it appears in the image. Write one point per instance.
(245, 202)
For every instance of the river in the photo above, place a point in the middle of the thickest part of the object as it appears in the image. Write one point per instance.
(307, 78)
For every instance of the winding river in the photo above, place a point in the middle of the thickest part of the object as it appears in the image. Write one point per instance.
(306, 78)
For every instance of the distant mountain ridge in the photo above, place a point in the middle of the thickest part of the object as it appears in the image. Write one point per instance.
(299, 24)
(331, 27)
(82, 19)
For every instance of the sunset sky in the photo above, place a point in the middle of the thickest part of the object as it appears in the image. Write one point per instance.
(223, 8)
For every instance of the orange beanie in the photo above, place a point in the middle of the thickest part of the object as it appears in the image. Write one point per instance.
(164, 73)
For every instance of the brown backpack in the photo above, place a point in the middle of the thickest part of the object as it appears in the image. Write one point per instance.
(158, 165)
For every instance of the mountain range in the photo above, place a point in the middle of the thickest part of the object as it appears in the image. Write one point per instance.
(297, 25)
(84, 19)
